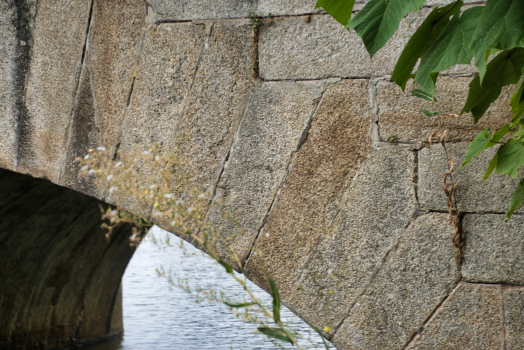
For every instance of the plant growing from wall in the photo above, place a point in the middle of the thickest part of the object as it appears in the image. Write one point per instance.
(142, 182)
(492, 35)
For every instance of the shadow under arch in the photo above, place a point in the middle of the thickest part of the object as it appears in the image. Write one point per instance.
(60, 279)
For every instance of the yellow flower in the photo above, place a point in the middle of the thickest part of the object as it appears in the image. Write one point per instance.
(146, 191)
(326, 329)
(156, 204)
(90, 150)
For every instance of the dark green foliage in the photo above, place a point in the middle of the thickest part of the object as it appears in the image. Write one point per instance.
(500, 27)
(276, 300)
(379, 19)
(450, 48)
(421, 41)
(226, 266)
(446, 38)
(505, 69)
(276, 333)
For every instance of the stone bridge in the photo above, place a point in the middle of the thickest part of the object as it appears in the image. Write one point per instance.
(288, 124)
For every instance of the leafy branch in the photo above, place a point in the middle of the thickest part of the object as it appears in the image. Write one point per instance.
(449, 35)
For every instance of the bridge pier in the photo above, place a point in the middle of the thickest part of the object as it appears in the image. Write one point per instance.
(59, 276)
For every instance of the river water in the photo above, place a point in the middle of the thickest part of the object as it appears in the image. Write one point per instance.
(157, 317)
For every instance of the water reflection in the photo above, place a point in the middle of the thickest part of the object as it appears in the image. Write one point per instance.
(157, 317)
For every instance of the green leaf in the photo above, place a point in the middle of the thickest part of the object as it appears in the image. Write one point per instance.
(379, 19)
(276, 300)
(516, 199)
(340, 10)
(492, 165)
(228, 267)
(501, 133)
(238, 306)
(450, 48)
(276, 333)
(429, 113)
(421, 41)
(504, 69)
(511, 158)
(517, 102)
(501, 26)
(477, 145)
(423, 94)
(520, 133)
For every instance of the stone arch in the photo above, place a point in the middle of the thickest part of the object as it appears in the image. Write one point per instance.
(60, 277)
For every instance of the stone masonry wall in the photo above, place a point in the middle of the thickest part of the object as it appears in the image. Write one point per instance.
(289, 126)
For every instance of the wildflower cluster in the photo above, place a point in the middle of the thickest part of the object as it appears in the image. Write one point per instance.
(154, 186)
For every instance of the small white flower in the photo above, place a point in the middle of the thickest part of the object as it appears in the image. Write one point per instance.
(114, 212)
(103, 149)
(86, 157)
(201, 195)
(147, 152)
(152, 186)
(157, 213)
(173, 223)
(112, 189)
(109, 177)
(267, 234)
(168, 195)
(189, 210)
(91, 172)
(179, 202)
(118, 164)
(84, 168)
(330, 271)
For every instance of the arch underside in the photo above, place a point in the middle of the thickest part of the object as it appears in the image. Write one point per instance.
(60, 277)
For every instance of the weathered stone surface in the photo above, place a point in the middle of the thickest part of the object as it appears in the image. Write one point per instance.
(470, 319)
(58, 41)
(416, 277)
(514, 317)
(287, 7)
(60, 276)
(169, 10)
(494, 250)
(167, 67)
(168, 63)
(472, 192)
(15, 44)
(223, 84)
(374, 212)
(191, 102)
(105, 85)
(336, 145)
(400, 113)
(276, 122)
(314, 48)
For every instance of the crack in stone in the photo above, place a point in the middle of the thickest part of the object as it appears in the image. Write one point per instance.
(292, 158)
(416, 335)
(394, 246)
(130, 95)
(68, 132)
(208, 31)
